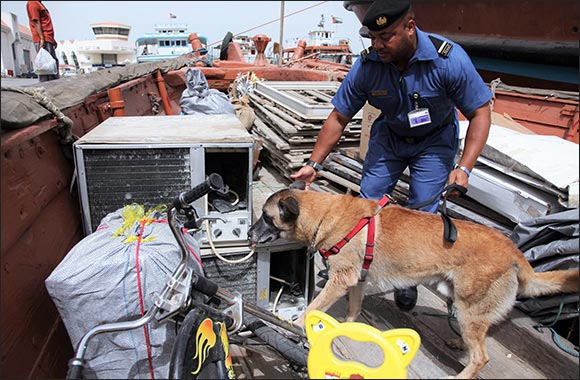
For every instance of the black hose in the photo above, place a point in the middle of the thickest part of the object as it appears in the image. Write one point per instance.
(294, 352)
(75, 369)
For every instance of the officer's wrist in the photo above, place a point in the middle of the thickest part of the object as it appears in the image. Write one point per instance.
(465, 170)
(315, 165)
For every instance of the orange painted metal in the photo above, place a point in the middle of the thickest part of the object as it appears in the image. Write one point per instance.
(260, 42)
(196, 44)
(116, 102)
(235, 53)
(163, 92)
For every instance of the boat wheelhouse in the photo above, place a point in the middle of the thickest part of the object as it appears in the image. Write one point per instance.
(168, 41)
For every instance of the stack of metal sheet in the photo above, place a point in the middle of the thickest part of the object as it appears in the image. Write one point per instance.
(524, 176)
(289, 118)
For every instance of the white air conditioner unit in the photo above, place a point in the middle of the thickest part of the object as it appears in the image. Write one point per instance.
(150, 160)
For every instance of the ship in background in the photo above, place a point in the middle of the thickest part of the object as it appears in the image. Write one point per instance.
(169, 40)
(322, 44)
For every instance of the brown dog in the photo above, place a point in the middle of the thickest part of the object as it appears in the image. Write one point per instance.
(484, 270)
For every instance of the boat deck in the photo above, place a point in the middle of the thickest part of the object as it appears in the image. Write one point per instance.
(516, 348)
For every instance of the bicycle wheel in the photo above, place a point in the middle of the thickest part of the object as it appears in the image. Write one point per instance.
(201, 349)
(295, 352)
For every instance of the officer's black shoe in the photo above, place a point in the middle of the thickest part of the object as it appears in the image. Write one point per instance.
(406, 298)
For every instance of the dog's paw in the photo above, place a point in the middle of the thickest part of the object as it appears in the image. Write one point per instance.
(456, 344)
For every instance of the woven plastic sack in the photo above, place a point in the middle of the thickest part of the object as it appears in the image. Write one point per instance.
(44, 64)
(105, 277)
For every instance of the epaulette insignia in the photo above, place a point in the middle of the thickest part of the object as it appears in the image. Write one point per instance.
(365, 53)
(443, 47)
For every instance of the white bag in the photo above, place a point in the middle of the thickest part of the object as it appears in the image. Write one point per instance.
(44, 64)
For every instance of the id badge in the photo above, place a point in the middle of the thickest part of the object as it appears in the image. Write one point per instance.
(419, 117)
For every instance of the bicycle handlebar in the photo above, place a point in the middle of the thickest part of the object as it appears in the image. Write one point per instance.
(213, 182)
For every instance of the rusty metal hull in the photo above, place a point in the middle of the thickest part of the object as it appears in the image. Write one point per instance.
(528, 43)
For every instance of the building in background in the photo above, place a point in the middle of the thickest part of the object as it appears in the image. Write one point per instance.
(110, 48)
(18, 51)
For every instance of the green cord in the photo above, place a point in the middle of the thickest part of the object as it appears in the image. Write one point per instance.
(555, 336)
(450, 317)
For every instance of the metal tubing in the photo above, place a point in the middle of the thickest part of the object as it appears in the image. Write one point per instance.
(110, 327)
(269, 317)
(116, 101)
(163, 92)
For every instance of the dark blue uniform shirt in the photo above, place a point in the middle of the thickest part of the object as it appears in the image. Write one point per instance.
(441, 83)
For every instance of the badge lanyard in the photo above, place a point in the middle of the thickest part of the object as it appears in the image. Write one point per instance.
(419, 116)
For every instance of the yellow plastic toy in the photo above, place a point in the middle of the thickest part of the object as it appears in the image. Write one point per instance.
(399, 347)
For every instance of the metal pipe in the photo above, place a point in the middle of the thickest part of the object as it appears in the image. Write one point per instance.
(110, 327)
(163, 92)
(281, 47)
(116, 101)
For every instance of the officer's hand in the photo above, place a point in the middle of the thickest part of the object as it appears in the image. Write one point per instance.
(306, 174)
(459, 177)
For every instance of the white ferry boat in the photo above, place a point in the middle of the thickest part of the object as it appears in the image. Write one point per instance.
(168, 41)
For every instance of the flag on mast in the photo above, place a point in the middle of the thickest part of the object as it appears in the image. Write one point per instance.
(171, 15)
(336, 20)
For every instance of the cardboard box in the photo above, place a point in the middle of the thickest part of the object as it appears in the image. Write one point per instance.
(370, 113)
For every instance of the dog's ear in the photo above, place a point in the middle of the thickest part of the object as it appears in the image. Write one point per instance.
(289, 209)
(299, 185)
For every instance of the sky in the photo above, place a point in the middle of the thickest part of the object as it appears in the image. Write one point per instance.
(212, 19)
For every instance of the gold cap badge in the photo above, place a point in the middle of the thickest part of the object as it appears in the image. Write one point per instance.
(381, 21)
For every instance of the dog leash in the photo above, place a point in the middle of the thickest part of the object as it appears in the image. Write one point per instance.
(449, 229)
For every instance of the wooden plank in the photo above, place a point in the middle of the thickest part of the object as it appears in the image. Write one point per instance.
(350, 163)
(342, 171)
(339, 180)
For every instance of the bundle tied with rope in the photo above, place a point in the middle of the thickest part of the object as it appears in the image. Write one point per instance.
(64, 127)
(113, 275)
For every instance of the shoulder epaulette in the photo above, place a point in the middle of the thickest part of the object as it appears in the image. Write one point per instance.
(443, 47)
(365, 53)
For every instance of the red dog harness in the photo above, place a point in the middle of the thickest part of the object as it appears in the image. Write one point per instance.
(370, 246)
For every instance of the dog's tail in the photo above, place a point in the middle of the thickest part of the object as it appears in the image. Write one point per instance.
(532, 284)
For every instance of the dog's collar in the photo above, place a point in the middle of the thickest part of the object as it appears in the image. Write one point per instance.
(312, 247)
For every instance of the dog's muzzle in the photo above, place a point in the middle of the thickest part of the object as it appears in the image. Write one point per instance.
(262, 232)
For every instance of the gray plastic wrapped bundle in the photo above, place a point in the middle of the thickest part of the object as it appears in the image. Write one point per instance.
(198, 98)
(550, 242)
(111, 276)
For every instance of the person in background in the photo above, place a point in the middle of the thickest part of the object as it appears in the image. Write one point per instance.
(416, 79)
(42, 33)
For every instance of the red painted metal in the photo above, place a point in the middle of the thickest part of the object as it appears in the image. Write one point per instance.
(554, 20)
(542, 115)
(260, 42)
(40, 223)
